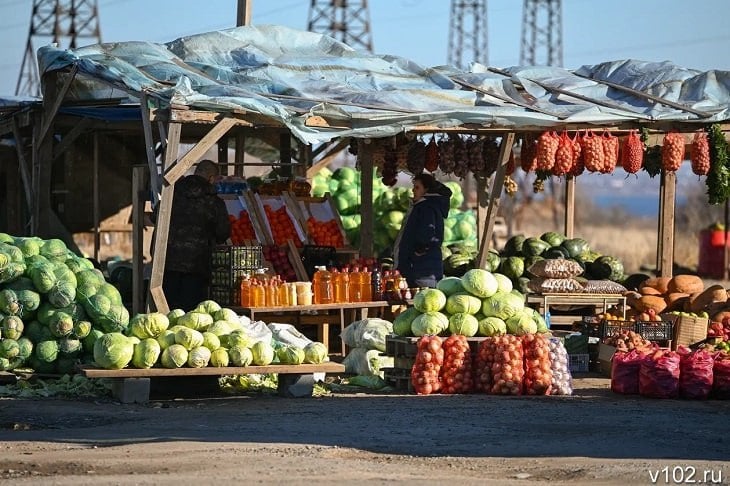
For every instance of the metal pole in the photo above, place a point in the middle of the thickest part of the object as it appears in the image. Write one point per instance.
(243, 13)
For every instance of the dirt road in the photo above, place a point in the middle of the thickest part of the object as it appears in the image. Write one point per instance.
(593, 437)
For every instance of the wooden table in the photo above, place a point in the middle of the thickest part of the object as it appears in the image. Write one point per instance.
(132, 385)
(345, 313)
(600, 302)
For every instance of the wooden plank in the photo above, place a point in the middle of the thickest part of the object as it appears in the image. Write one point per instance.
(138, 204)
(367, 221)
(303, 369)
(243, 12)
(296, 261)
(163, 226)
(240, 155)
(96, 209)
(50, 113)
(667, 234)
(482, 204)
(313, 307)
(494, 201)
(569, 206)
(332, 153)
(175, 172)
(149, 147)
(25, 176)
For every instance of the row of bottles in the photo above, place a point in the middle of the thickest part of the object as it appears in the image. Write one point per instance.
(274, 292)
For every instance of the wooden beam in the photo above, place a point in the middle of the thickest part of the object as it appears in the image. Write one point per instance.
(211, 138)
(23, 166)
(482, 204)
(149, 147)
(365, 161)
(569, 206)
(497, 184)
(57, 101)
(223, 156)
(240, 154)
(138, 203)
(68, 140)
(96, 202)
(668, 188)
(163, 226)
(333, 152)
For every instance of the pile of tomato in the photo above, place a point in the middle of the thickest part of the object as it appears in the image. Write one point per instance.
(325, 233)
(282, 227)
(241, 228)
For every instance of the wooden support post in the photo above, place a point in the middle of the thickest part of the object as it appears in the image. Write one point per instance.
(569, 206)
(43, 155)
(51, 111)
(660, 225)
(497, 183)
(95, 191)
(726, 249)
(149, 146)
(482, 204)
(285, 153)
(240, 157)
(223, 156)
(365, 159)
(139, 196)
(668, 188)
(69, 138)
(23, 166)
(163, 224)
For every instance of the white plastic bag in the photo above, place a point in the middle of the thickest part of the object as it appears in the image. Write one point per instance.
(257, 330)
(288, 334)
(367, 333)
(368, 362)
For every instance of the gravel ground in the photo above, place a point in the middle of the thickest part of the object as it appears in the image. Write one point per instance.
(592, 437)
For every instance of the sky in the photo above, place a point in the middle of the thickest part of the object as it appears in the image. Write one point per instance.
(689, 33)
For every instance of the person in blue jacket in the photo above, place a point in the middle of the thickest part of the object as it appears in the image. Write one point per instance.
(417, 250)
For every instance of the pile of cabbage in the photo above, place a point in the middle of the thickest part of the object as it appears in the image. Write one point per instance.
(209, 335)
(480, 303)
(53, 306)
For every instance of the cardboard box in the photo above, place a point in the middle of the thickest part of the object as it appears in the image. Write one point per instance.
(605, 354)
(687, 330)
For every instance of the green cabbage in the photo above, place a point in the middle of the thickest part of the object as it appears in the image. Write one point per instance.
(90, 340)
(25, 347)
(195, 320)
(211, 341)
(12, 327)
(402, 322)
(504, 284)
(146, 353)
(464, 324)
(174, 315)
(450, 285)
(43, 277)
(188, 338)
(9, 303)
(521, 323)
(429, 323)
(9, 348)
(429, 300)
(225, 314)
(209, 307)
(61, 324)
(463, 302)
(290, 355)
(69, 347)
(503, 305)
(239, 338)
(492, 326)
(198, 357)
(240, 356)
(315, 353)
(113, 351)
(263, 353)
(174, 356)
(480, 283)
(166, 338)
(81, 329)
(219, 358)
(148, 325)
(220, 328)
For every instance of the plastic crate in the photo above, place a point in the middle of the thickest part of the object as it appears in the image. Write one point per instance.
(314, 256)
(655, 330)
(578, 363)
(612, 327)
(238, 257)
(228, 277)
(226, 296)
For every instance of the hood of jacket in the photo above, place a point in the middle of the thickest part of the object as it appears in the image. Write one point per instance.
(439, 200)
(194, 187)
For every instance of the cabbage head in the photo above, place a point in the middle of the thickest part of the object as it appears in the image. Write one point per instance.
(174, 356)
(492, 326)
(240, 356)
(539, 322)
(199, 321)
(146, 353)
(450, 285)
(188, 338)
(43, 277)
(148, 325)
(463, 302)
(90, 340)
(521, 323)
(239, 338)
(199, 357)
(464, 324)
(69, 347)
(135, 340)
(315, 353)
(429, 300)
(113, 351)
(263, 353)
(219, 358)
(61, 324)
(46, 351)
(225, 314)
(211, 341)
(402, 322)
(220, 328)
(430, 323)
(503, 305)
(166, 338)
(9, 348)
(81, 329)
(12, 327)
(290, 355)
(209, 307)
(504, 284)
(25, 348)
(116, 320)
(174, 315)
(480, 283)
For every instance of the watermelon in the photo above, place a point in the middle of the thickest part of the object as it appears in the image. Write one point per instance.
(534, 247)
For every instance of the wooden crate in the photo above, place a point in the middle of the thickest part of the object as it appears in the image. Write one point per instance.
(320, 208)
(276, 203)
(687, 330)
(235, 204)
(399, 378)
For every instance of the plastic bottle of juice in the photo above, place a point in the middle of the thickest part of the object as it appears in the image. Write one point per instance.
(346, 284)
(283, 293)
(355, 285)
(315, 285)
(376, 284)
(365, 285)
(323, 288)
(258, 299)
(245, 292)
(337, 284)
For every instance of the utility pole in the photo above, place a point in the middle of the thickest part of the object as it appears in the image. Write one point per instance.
(62, 22)
(243, 13)
(468, 39)
(346, 20)
(542, 33)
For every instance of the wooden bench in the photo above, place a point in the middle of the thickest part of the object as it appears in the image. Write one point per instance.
(132, 385)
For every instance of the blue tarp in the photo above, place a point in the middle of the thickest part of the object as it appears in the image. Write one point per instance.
(290, 75)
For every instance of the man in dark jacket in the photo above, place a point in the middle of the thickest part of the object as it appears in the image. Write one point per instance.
(198, 221)
(417, 250)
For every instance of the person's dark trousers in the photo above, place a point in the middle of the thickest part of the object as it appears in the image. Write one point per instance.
(184, 290)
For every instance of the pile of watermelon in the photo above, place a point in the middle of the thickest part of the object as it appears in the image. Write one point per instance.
(390, 206)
